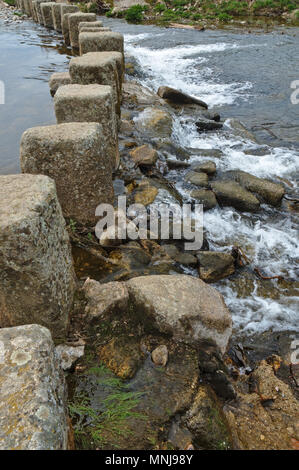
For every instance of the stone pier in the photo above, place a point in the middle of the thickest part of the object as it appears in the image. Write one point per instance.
(74, 20)
(75, 156)
(90, 103)
(34, 12)
(66, 11)
(101, 41)
(104, 68)
(58, 79)
(56, 12)
(33, 395)
(36, 272)
(27, 7)
(40, 19)
(46, 9)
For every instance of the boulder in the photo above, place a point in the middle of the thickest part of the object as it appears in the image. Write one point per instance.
(144, 156)
(136, 94)
(214, 265)
(270, 192)
(66, 10)
(101, 41)
(46, 9)
(182, 306)
(58, 79)
(230, 193)
(206, 197)
(75, 156)
(178, 97)
(37, 280)
(104, 299)
(145, 193)
(33, 400)
(155, 121)
(207, 167)
(68, 355)
(198, 179)
(90, 103)
(74, 19)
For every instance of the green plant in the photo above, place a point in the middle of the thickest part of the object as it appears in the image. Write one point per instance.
(11, 3)
(73, 224)
(109, 13)
(223, 17)
(134, 14)
(160, 7)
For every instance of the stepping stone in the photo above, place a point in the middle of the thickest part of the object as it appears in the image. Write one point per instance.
(56, 12)
(58, 79)
(90, 24)
(66, 10)
(74, 20)
(101, 41)
(46, 9)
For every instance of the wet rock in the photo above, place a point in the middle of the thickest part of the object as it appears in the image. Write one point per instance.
(66, 11)
(74, 20)
(136, 94)
(104, 299)
(90, 103)
(160, 355)
(229, 193)
(121, 230)
(145, 193)
(198, 179)
(177, 164)
(207, 167)
(179, 437)
(46, 9)
(127, 127)
(240, 130)
(58, 79)
(122, 356)
(37, 279)
(179, 97)
(206, 420)
(206, 152)
(144, 155)
(100, 41)
(205, 197)
(186, 259)
(270, 192)
(208, 125)
(68, 355)
(214, 265)
(171, 250)
(75, 156)
(182, 306)
(155, 121)
(33, 405)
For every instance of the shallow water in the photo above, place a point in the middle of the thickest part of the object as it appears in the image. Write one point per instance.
(247, 76)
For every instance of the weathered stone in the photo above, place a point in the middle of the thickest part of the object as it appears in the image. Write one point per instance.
(145, 193)
(74, 155)
(144, 155)
(270, 192)
(27, 7)
(68, 355)
(46, 9)
(90, 24)
(205, 197)
(104, 299)
(66, 11)
(36, 272)
(214, 265)
(207, 167)
(90, 103)
(34, 11)
(57, 79)
(229, 193)
(136, 94)
(198, 179)
(182, 306)
(122, 356)
(92, 29)
(160, 355)
(74, 20)
(104, 68)
(56, 12)
(187, 259)
(155, 121)
(33, 409)
(178, 97)
(101, 41)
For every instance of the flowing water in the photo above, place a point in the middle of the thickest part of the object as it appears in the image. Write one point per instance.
(247, 76)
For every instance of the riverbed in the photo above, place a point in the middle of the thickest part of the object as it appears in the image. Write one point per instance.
(243, 75)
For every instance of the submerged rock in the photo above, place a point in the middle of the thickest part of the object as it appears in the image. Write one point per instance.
(208, 125)
(230, 193)
(144, 155)
(156, 121)
(240, 130)
(214, 265)
(182, 306)
(207, 167)
(178, 97)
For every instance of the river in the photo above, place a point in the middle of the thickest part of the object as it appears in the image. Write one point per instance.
(243, 75)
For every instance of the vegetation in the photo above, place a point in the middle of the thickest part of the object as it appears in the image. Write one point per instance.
(11, 3)
(135, 14)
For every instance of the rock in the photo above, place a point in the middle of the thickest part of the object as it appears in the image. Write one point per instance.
(101, 41)
(182, 306)
(125, 4)
(37, 279)
(92, 29)
(103, 68)
(208, 125)
(179, 97)
(126, 127)
(144, 155)
(33, 405)
(171, 250)
(145, 193)
(267, 418)
(136, 94)
(90, 24)
(58, 79)
(198, 179)
(205, 197)
(272, 193)
(240, 130)
(104, 299)
(155, 121)
(207, 422)
(74, 19)
(90, 103)
(75, 156)
(121, 230)
(214, 265)
(68, 355)
(66, 11)
(160, 355)
(56, 12)
(40, 19)
(122, 356)
(187, 259)
(179, 437)
(173, 164)
(46, 9)
(229, 193)
(206, 152)
(207, 167)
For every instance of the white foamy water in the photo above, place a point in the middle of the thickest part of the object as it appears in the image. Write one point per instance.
(270, 238)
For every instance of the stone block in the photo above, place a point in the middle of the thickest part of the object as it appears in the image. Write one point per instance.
(66, 10)
(58, 79)
(101, 41)
(74, 20)
(56, 12)
(46, 9)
